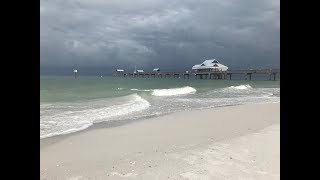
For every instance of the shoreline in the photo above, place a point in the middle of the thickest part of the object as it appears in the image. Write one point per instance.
(151, 147)
(47, 141)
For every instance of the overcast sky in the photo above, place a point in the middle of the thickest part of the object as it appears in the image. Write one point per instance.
(100, 35)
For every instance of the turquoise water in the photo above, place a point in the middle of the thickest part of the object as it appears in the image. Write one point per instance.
(68, 104)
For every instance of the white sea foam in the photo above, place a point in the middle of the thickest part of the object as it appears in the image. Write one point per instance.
(65, 120)
(174, 91)
(140, 89)
(241, 87)
(68, 131)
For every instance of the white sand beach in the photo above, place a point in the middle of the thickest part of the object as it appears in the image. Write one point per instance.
(235, 142)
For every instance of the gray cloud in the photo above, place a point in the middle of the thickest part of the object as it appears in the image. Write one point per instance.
(171, 34)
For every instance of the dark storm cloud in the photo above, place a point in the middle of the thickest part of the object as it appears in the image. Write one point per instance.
(173, 34)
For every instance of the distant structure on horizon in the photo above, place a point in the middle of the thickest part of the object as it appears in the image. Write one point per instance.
(211, 69)
(156, 69)
(209, 65)
(75, 71)
(120, 70)
(137, 71)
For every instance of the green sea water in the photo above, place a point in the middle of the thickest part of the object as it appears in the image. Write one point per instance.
(69, 104)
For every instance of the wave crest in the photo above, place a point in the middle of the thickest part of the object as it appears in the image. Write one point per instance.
(140, 90)
(64, 120)
(241, 87)
(174, 91)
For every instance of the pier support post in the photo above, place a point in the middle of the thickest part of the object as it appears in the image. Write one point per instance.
(248, 74)
(274, 76)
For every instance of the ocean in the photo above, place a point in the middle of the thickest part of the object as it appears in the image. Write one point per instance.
(69, 105)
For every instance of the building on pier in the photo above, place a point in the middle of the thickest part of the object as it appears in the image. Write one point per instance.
(209, 65)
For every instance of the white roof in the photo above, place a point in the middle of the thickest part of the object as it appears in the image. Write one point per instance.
(156, 69)
(140, 70)
(210, 64)
(121, 70)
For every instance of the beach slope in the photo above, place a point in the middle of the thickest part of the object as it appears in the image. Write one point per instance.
(235, 142)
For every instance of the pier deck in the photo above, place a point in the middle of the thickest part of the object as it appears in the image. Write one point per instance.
(204, 75)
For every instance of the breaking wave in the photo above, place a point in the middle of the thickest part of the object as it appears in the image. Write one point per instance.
(174, 91)
(140, 89)
(241, 87)
(64, 120)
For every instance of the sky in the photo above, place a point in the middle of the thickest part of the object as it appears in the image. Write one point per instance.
(98, 36)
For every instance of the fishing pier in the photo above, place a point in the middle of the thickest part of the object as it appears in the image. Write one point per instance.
(271, 73)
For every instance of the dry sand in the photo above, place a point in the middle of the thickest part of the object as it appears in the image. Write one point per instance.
(236, 142)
